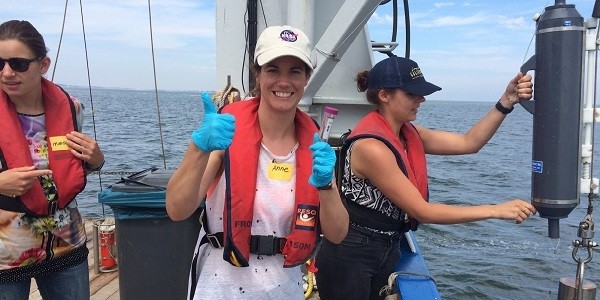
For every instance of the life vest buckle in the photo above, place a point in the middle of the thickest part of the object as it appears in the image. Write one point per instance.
(266, 244)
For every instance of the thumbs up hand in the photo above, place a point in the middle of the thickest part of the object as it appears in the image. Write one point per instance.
(216, 130)
(323, 162)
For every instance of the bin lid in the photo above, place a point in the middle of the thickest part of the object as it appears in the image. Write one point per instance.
(132, 200)
(141, 195)
(148, 180)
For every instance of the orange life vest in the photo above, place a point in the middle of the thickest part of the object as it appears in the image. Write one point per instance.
(241, 163)
(412, 162)
(67, 170)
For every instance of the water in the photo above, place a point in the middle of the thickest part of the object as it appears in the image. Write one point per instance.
(491, 259)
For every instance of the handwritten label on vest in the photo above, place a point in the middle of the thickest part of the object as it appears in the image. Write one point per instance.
(58, 143)
(280, 171)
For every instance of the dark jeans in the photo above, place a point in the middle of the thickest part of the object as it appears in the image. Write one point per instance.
(358, 267)
(72, 284)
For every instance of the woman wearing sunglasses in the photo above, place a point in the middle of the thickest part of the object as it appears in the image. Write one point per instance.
(44, 159)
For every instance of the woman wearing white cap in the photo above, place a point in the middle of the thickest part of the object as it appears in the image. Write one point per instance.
(384, 181)
(267, 179)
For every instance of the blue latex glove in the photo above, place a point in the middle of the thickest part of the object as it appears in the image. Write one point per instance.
(216, 130)
(323, 163)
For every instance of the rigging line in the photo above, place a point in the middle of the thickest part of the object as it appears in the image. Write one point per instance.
(407, 26)
(529, 46)
(395, 20)
(262, 8)
(156, 88)
(395, 26)
(246, 46)
(62, 30)
(88, 71)
(87, 65)
(252, 32)
(532, 37)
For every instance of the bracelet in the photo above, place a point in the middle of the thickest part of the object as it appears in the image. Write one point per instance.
(503, 109)
(87, 166)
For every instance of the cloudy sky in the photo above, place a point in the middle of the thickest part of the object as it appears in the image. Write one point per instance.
(470, 48)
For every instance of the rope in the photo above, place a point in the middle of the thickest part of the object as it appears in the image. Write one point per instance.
(87, 69)
(62, 30)
(156, 87)
(87, 65)
(100, 173)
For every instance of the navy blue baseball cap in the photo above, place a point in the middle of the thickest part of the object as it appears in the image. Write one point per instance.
(399, 72)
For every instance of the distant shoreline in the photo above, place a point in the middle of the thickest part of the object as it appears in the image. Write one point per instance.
(68, 86)
(128, 89)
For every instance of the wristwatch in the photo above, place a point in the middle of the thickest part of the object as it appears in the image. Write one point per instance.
(503, 109)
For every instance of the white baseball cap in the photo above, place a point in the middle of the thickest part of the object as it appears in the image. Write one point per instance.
(278, 41)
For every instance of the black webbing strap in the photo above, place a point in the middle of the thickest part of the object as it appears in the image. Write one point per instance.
(259, 244)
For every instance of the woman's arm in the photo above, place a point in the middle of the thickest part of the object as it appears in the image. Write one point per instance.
(333, 218)
(189, 183)
(445, 143)
(203, 158)
(373, 160)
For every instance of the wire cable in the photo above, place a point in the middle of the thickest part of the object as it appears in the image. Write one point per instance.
(162, 144)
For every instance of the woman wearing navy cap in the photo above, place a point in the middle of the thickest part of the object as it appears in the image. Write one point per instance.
(384, 201)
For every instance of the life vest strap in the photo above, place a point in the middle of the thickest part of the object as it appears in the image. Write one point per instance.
(259, 244)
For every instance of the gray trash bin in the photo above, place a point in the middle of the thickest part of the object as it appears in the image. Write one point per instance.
(154, 252)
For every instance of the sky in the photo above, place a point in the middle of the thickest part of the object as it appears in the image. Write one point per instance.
(469, 48)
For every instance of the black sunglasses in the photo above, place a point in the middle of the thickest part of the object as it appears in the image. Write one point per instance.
(17, 64)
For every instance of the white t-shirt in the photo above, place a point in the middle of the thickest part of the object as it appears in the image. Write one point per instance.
(265, 278)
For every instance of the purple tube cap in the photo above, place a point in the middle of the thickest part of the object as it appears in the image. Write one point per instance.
(330, 110)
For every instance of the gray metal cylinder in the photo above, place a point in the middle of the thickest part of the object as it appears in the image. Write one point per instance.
(556, 129)
(568, 291)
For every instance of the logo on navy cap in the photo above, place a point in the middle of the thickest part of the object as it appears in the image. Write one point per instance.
(416, 73)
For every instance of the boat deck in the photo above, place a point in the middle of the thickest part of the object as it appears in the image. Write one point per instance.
(103, 286)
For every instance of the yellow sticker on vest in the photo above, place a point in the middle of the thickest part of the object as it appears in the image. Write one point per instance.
(58, 143)
(280, 171)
